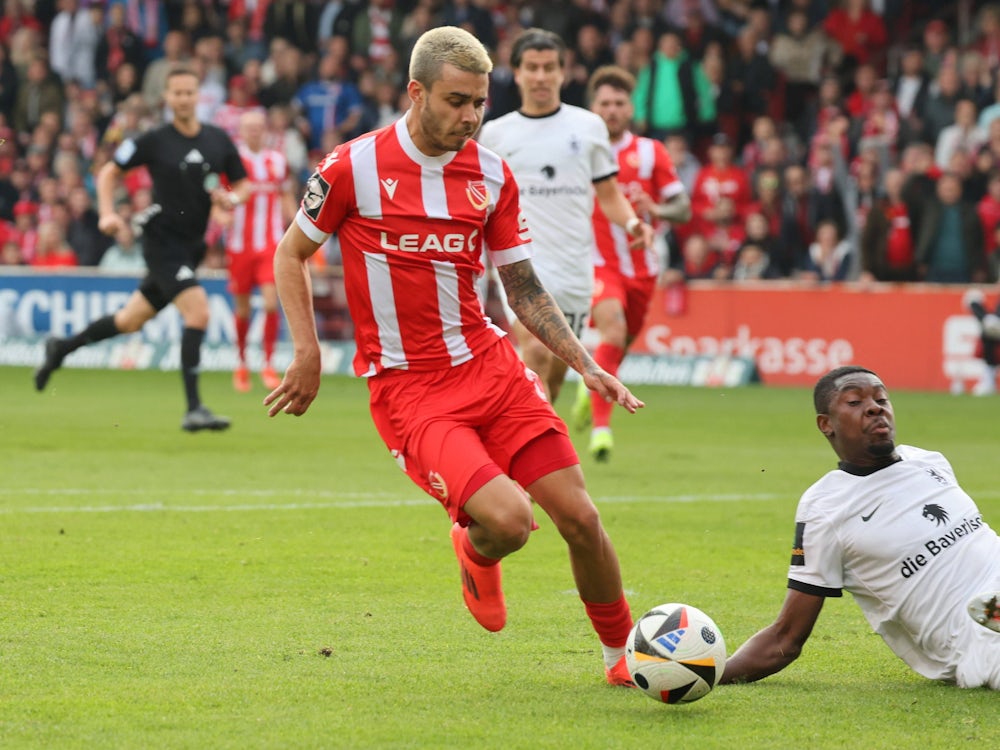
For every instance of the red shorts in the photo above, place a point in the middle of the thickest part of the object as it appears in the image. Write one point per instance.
(248, 270)
(633, 294)
(452, 431)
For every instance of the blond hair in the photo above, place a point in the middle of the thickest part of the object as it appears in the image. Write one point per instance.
(447, 45)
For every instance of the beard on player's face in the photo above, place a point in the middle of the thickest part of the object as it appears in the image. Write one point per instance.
(882, 449)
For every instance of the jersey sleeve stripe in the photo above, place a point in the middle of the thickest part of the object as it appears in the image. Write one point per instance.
(674, 188)
(647, 158)
(492, 169)
(511, 255)
(309, 229)
(364, 167)
(809, 588)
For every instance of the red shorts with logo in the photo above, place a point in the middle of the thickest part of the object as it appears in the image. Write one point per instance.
(633, 294)
(453, 430)
(248, 270)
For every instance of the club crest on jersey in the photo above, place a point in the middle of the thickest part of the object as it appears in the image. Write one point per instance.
(314, 196)
(478, 194)
(437, 483)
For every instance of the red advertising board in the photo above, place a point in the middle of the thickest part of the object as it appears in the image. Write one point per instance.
(915, 336)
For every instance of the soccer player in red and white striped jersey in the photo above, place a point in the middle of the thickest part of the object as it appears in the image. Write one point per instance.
(625, 274)
(256, 227)
(414, 205)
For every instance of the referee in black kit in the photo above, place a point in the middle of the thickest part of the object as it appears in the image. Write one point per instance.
(185, 159)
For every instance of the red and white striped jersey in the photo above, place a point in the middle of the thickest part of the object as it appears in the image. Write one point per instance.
(644, 166)
(412, 230)
(257, 223)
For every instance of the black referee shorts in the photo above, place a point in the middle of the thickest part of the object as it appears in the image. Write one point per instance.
(171, 270)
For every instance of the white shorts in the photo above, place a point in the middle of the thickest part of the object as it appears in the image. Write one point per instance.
(574, 306)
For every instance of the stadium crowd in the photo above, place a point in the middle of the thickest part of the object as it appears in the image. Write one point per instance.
(857, 139)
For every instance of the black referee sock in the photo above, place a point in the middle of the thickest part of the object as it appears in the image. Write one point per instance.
(100, 329)
(191, 340)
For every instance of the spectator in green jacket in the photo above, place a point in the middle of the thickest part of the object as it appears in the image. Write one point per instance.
(665, 98)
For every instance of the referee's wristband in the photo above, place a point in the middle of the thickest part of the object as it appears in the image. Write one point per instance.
(632, 225)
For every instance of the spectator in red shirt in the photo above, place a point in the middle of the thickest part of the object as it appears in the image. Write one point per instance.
(887, 242)
(988, 38)
(767, 190)
(763, 128)
(828, 106)
(860, 100)
(859, 31)
(719, 179)
(725, 235)
(53, 250)
(700, 261)
(989, 211)
(24, 230)
(16, 16)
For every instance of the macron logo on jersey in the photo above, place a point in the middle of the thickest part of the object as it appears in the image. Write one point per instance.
(390, 186)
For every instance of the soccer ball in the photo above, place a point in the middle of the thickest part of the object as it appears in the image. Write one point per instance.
(675, 653)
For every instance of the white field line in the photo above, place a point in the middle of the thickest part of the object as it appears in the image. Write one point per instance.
(312, 500)
(323, 500)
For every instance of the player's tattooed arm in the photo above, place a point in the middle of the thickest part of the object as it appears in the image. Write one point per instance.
(539, 313)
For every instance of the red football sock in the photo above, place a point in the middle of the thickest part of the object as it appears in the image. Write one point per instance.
(470, 552)
(242, 329)
(611, 621)
(272, 323)
(609, 357)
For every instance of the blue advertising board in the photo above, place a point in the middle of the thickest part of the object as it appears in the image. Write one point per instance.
(37, 304)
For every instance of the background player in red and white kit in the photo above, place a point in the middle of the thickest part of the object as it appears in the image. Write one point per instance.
(414, 205)
(625, 275)
(254, 231)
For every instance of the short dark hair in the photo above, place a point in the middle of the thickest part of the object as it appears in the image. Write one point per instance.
(181, 70)
(826, 386)
(614, 76)
(536, 39)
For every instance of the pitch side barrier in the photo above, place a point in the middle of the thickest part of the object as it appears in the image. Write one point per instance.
(916, 336)
(708, 333)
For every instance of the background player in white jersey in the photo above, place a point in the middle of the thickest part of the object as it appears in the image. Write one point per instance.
(624, 275)
(893, 527)
(414, 205)
(557, 152)
(254, 230)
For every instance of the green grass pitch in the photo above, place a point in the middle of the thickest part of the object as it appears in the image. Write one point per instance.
(282, 585)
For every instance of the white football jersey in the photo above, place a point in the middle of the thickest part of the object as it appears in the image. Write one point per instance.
(909, 545)
(555, 159)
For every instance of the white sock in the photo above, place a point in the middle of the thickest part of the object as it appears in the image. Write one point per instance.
(612, 655)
